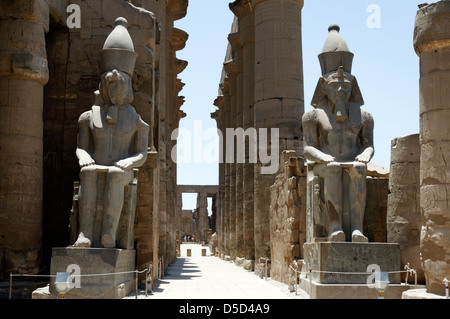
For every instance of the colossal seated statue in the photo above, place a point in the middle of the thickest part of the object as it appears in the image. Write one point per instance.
(112, 141)
(338, 140)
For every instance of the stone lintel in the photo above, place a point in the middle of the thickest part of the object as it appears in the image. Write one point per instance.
(209, 190)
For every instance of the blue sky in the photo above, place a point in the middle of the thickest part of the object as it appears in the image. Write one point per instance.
(385, 65)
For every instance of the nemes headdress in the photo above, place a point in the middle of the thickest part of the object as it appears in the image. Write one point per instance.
(118, 51)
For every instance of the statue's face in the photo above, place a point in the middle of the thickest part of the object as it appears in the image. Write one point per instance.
(338, 88)
(117, 87)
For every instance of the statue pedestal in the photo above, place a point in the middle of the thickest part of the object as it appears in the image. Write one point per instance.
(338, 269)
(330, 261)
(101, 261)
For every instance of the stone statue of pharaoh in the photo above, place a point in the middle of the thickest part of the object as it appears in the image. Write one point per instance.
(338, 138)
(112, 139)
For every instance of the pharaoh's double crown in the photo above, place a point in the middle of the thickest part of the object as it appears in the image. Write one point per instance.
(118, 51)
(335, 53)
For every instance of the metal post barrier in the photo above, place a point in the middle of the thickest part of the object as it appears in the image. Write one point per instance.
(136, 284)
(10, 285)
(296, 272)
(445, 281)
(265, 266)
(310, 284)
(412, 271)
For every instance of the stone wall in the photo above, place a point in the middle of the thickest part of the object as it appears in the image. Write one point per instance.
(287, 216)
(404, 220)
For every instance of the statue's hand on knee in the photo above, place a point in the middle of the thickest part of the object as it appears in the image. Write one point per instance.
(86, 161)
(325, 158)
(365, 156)
(124, 164)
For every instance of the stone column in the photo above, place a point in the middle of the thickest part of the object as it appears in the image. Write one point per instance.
(279, 101)
(219, 117)
(235, 42)
(432, 44)
(404, 220)
(226, 210)
(23, 74)
(243, 11)
(202, 217)
(230, 68)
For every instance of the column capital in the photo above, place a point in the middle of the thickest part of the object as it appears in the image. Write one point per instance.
(23, 53)
(219, 102)
(230, 67)
(432, 25)
(179, 39)
(225, 86)
(235, 41)
(257, 2)
(241, 8)
(177, 8)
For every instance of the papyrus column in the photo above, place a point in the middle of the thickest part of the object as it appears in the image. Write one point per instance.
(23, 74)
(230, 68)
(202, 217)
(279, 101)
(219, 117)
(235, 42)
(244, 12)
(432, 44)
(226, 206)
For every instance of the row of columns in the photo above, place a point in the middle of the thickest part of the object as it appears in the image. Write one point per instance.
(159, 228)
(262, 88)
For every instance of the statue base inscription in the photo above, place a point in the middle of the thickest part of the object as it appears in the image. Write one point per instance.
(112, 271)
(347, 263)
(339, 270)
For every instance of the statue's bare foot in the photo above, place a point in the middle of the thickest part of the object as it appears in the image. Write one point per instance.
(337, 236)
(358, 237)
(82, 241)
(108, 241)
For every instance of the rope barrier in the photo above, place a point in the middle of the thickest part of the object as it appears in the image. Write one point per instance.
(11, 275)
(86, 275)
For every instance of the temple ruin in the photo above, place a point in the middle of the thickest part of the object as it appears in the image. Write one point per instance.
(266, 211)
